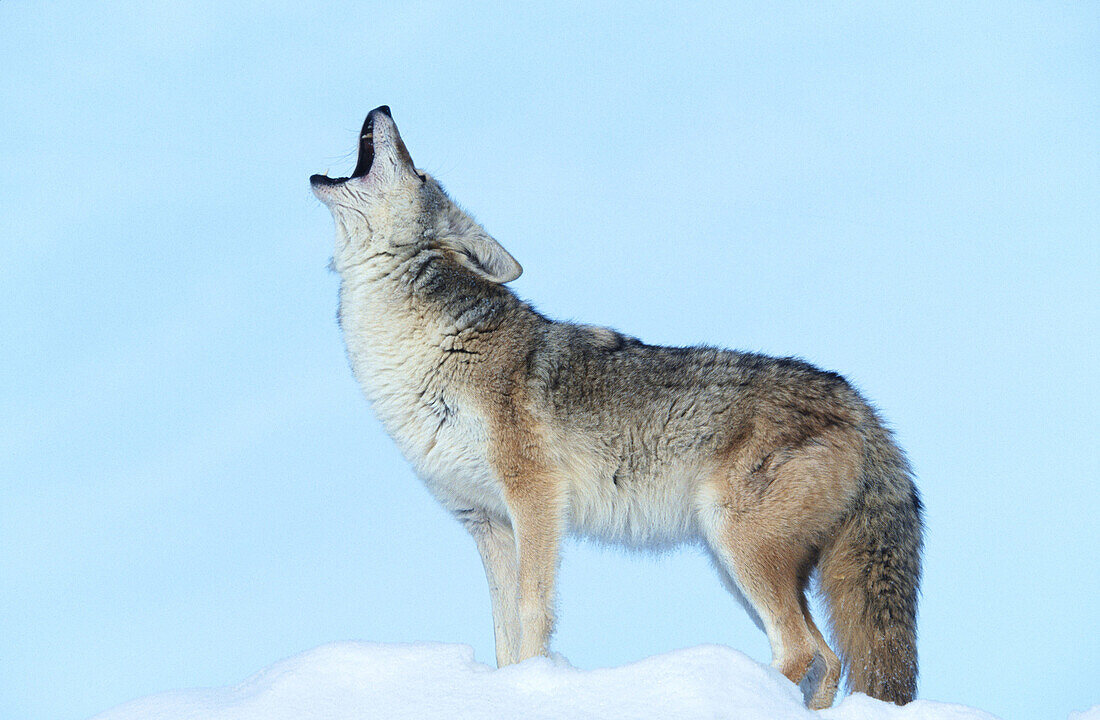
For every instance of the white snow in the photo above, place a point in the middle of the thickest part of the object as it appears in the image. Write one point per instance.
(435, 680)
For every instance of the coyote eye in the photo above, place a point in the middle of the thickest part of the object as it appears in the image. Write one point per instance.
(423, 177)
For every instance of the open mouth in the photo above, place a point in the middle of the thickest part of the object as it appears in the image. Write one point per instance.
(366, 151)
(366, 145)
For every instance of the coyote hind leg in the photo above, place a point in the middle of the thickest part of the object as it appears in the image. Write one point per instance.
(825, 691)
(773, 509)
(822, 691)
(769, 552)
(771, 579)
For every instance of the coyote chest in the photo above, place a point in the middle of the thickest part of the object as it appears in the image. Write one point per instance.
(434, 420)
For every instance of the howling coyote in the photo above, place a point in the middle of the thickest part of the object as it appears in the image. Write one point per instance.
(527, 429)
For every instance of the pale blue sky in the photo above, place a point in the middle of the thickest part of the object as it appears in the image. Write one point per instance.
(191, 486)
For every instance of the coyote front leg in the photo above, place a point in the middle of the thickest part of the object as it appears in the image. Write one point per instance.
(497, 545)
(537, 522)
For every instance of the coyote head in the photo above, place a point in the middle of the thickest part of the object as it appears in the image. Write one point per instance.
(388, 206)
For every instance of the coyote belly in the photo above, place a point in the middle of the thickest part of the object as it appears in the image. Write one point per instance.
(528, 429)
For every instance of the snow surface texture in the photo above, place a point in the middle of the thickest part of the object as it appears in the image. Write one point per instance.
(435, 680)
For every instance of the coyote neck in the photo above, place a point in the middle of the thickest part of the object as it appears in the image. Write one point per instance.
(419, 304)
(419, 347)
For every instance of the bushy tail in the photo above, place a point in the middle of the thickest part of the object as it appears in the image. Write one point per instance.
(870, 575)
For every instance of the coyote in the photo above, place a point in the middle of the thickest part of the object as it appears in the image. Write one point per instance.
(526, 429)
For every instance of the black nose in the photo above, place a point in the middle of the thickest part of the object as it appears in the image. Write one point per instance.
(385, 109)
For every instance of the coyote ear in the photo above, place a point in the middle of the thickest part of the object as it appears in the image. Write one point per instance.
(486, 257)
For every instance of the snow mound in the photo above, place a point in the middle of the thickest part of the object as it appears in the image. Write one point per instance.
(435, 680)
